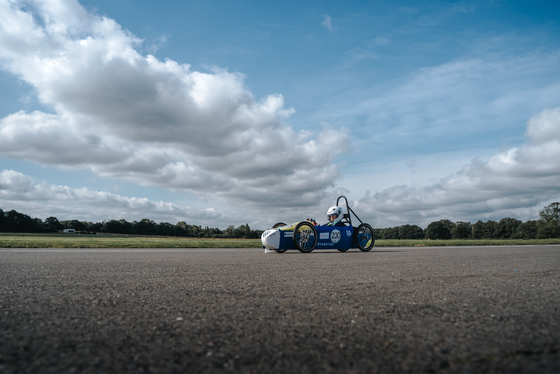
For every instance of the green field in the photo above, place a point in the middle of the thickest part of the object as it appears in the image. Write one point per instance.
(11, 240)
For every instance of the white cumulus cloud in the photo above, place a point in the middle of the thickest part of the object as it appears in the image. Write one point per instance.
(516, 182)
(125, 115)
(40, 199)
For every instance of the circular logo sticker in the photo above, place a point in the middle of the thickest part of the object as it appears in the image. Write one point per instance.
(335, 236)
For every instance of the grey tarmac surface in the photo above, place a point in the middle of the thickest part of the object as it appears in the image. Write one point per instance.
(392, 310)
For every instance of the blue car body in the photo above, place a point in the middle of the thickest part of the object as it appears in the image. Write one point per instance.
(328, 237)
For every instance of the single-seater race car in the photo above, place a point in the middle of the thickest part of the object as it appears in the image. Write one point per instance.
(307, 235)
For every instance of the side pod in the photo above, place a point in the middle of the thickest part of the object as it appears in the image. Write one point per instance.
(271, 239)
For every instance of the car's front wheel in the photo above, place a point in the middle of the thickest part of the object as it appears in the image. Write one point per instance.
(305, 237)
(364, 237)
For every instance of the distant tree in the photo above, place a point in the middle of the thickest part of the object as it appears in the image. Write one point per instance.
(256, 234)
(548, 230)
(243, 231)
(439, 229)
(506, 228)
(53, 221)
(43, 227)
(13, 221)
(73, 224)
(410, 232)
(213, 233)
(461, 230)
(19, 222)
(490, 228)
(113, 226)
(390, 233)
(93, 227)
(229, 232)
(195, 231)
(144, 227)
(167, 229)
(2, 221)
(127, 227)
(527, 230)
(483, 230)
(181, 228)
(550, 212)
(177, 231)
(477, 230)
(164, 229)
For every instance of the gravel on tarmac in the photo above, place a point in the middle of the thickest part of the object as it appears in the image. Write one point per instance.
(391, 310)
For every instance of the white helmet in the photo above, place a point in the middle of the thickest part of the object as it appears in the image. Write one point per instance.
(334, 214)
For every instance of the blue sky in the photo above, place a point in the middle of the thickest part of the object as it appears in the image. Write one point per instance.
(222, 113)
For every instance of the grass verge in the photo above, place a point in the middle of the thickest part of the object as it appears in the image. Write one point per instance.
(17, 240)
(461, 242)
(118, 241)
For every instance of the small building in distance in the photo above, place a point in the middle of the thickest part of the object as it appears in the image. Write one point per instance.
(69, 231)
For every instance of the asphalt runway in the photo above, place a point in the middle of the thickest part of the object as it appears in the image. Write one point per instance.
(392, 310)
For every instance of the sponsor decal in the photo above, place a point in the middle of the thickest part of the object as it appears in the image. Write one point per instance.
(288, 234)
(335, 236)
(323, 244)
(348, 233)
(324, 235)
(268, 233)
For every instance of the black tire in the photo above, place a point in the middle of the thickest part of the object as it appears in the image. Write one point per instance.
(342, 249)
(364, 236)
(305, 237)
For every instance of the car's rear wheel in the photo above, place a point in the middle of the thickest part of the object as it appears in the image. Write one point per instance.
(305, 237)
(364, 237)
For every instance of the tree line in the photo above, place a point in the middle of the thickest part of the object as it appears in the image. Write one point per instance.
(548, 226)
(13, 221)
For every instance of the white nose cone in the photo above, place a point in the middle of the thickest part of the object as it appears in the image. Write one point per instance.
(271, 239)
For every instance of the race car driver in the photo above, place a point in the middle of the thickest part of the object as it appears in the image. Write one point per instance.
(334, 214)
